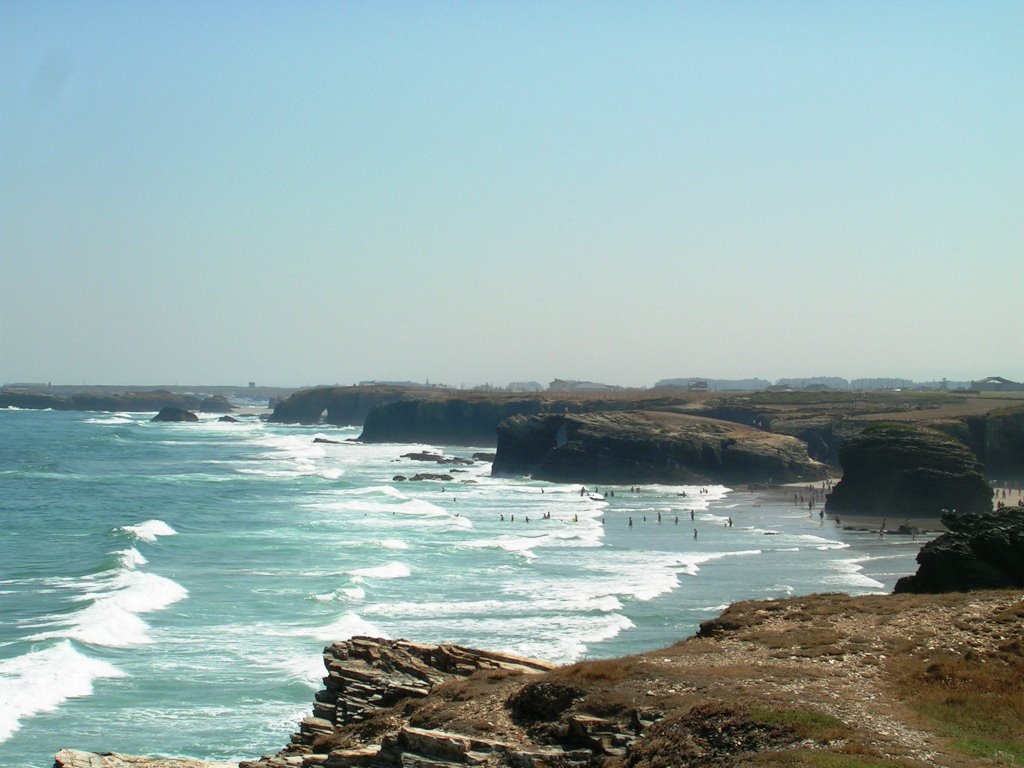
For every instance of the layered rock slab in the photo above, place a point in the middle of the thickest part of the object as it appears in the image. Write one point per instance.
(366, 675)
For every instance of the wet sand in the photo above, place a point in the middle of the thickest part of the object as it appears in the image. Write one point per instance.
(784, 493)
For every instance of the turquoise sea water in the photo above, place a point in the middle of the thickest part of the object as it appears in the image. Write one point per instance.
(168, 588)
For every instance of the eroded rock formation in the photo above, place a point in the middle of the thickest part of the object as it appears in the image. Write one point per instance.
(648, 446)
(900, 471)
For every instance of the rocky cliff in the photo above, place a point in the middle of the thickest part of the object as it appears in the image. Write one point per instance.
(338, 406)
(453, 421)
(648, 446)
(980, 551)
(900, 471)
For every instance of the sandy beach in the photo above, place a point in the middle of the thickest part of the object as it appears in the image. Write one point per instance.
(816, 491)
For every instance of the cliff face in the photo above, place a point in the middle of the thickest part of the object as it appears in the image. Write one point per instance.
(903, 471)
(647, 446)
(452, 421)
(338, 406)
(1001, 447)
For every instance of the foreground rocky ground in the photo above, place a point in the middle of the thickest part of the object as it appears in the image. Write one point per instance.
(825, 680)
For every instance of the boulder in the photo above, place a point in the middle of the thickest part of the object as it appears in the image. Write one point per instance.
(170, 413)
(900, 471)
(647, 446)
(228, 419)
(980, 551)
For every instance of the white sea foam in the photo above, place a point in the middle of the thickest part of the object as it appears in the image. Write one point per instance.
(344, 593)
(112, 420)
(149, 530)
(393, 570)
(348, 625)
(40, 681)
(111, 617)
(392, 544)
(848, 573)
(131, 558)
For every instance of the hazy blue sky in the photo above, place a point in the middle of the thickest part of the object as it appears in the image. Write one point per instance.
(310, 192)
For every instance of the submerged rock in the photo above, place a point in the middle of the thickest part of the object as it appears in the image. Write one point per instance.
(900, 471)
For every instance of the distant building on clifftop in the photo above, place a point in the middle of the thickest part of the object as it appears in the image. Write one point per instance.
(568, 385)
(997, 384)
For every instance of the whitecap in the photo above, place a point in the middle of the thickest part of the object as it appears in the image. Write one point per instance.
(111, 619)
(40, 681)
(344, 593)
(349, 625)
(149, 530)
(393, 570)
(131, 558)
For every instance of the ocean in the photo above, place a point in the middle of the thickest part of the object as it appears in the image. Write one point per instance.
(168, 588)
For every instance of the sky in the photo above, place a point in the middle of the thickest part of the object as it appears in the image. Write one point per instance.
(301, 193)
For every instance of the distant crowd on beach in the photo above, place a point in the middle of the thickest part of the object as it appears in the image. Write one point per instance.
(1004, 496)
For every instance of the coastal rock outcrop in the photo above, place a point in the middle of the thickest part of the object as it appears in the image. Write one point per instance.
(73, 758)
(900, 471)
(172, 414)
(980, 551)
(366, 675)
(648, 446)
(806, 681)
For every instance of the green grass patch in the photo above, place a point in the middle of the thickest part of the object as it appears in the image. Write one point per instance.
(806, 724)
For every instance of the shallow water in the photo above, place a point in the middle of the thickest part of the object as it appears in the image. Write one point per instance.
(168, 588)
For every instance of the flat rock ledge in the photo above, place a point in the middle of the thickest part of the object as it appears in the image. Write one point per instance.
(73, 758)
(368, 674)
